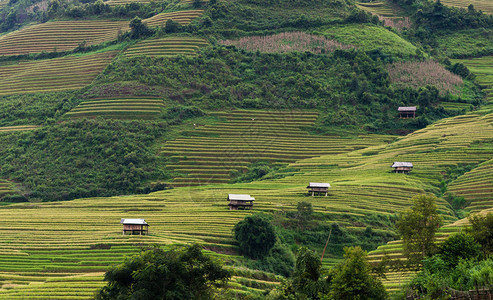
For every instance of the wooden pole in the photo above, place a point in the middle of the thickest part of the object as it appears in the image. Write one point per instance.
(323, 253)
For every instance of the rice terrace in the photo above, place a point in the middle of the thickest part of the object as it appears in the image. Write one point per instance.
(246, 149)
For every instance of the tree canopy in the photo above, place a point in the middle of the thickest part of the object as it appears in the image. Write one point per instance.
(179, 273)
(459, 246)
(352, 279)
(482, 231)
(255, 236)
(417, 227)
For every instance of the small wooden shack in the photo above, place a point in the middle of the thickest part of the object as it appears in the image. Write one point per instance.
(237, 201)
(135, 226)
(406, 112)
(318, 188)
(402, 167)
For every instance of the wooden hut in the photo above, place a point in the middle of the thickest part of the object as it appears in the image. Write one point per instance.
(402, 167)
(406, 112)
(237, 201)
(318, 188)
(135, 226)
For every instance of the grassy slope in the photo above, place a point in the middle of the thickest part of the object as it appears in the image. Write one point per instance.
(466, 43)
(370, 37)
(482, 67)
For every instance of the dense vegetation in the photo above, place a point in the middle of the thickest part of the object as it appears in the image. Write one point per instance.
(83, 158)
(174, 274)
(35, 108)
(349, 86)
(445, 30)
(327, 58)
(351, 279)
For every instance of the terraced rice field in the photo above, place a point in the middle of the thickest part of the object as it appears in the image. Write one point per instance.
(482, 67)
(380, 8)
(183, 17)
(396, 279)
(167, 47)
(214, 151)
(455, 105)
(485, 5)
(61, 249)
(49, 75)
(191, 1)
(5, 188)
(476, 187)
(18, 128)
(390, 14)
(60, 36)
(124, 2)
(120, 108)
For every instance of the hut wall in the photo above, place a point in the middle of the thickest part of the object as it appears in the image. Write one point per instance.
(133, 227)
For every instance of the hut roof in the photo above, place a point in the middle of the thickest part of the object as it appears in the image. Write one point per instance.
(133, 222)
(318, 185)
(240, 197)
(398, 164)
(407, 108)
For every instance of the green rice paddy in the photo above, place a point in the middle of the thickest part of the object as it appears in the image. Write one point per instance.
(62, 248)
(18, 128)
(6, 188)
(212, 152)
(475, 186)
(482, 67)
(485, 5)
(166, 46)
(183, 17)
(60, 36)
(49, 75)
(379, 8)
(120, 108)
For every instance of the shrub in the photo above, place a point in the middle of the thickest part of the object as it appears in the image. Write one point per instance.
(174, 274)
(255, 236)
(459, 246)
(14, 199)
(352, 279)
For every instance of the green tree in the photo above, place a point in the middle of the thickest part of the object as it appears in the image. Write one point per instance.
(197, 3)
(417, 227)
(482, 231)
(184, 273)
(306, 282)
(307, 273)
(459, 246)
(171, 26)
(139, 29)
(304, 212)
(352, 279)
(255, 236)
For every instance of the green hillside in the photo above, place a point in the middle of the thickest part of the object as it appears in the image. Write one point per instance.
(160, 109)
(371, 37)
